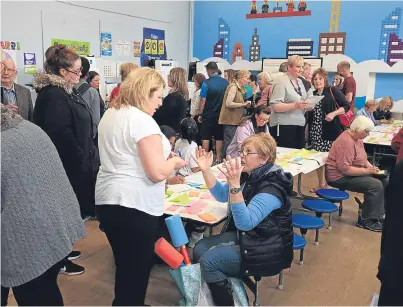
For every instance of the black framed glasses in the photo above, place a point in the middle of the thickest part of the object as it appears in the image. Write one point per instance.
(77, 73)
(245, 152)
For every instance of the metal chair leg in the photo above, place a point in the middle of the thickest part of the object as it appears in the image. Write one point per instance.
(256, 301)
(317, 237)
(280, 285)
(341, 208)
(330, 221)
(301, 256)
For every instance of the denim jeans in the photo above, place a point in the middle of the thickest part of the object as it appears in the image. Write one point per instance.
(219, 257)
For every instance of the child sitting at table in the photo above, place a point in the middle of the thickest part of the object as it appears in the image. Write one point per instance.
(368, 111)
(186, 147)
(171, 136)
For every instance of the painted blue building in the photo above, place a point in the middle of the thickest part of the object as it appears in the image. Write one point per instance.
(225, 34)
(390, 25)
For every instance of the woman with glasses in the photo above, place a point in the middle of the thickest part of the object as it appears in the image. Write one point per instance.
(62, 113)
(347, 168)
(250, 125)
(258, 236)
(175, 105)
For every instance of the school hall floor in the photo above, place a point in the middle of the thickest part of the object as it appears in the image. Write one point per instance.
(340, 271)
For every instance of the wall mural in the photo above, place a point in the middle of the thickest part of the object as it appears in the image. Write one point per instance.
(390, 45)
(291, 10)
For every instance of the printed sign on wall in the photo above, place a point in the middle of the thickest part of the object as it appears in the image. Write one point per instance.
(153, 46)
(82, 48)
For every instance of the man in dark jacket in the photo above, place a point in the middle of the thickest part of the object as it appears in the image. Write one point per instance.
(391, 263)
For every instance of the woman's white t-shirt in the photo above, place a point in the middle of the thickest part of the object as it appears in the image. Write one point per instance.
(121, 179)
(186, 151)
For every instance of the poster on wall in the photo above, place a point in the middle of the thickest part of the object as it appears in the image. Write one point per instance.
(126, 48)
(153, 46)
(106, 44)
(29, 63)
(7, 45)
(119, 47)
(136, 49)
(82, 48)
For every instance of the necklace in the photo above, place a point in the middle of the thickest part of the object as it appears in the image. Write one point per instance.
(298, 90)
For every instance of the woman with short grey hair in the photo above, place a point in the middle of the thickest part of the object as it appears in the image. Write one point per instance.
(40, 214)
(347, 168)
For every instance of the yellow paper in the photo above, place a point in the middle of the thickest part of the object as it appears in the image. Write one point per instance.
(181, 200)
(169, 193)
(147, 46)
(381, 172)
(161, 47)
(154, 44)
(194, 194)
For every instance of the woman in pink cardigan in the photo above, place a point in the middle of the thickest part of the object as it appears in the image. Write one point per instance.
(250, 125)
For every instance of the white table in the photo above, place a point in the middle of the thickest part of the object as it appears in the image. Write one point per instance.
(294, 161)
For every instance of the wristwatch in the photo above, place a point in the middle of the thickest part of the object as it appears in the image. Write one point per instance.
(235, 190)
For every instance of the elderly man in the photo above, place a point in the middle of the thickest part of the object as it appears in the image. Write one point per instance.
(349, 86)
(12, 94)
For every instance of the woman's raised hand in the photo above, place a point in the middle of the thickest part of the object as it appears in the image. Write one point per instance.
(203, 159)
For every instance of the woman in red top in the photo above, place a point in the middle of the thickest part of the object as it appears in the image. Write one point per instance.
(397, 142)
(125, 70)
(347, 168)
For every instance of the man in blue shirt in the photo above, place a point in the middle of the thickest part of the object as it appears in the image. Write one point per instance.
(212, 95)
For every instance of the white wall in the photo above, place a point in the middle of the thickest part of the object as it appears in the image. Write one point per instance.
(32, 23)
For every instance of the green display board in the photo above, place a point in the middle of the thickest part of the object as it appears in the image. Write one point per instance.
(82, 48)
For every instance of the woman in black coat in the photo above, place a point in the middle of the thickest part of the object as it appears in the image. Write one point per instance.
(65, 117)
(175, 105)
(326, 126)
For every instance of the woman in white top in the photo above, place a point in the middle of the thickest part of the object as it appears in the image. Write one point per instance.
(288, 105)
(135, 161)
(195, 101)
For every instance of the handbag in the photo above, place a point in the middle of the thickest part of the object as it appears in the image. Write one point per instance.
(197, 292)
(346, 118)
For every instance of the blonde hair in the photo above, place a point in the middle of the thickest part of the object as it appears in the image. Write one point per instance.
(230, 75)
(125, 69)
(294, 60)
(266, 76)
(242, 74)
(138, 87)
(264, 144)
(362, 123)
(178, 77)
(383, 101)
(370, 103)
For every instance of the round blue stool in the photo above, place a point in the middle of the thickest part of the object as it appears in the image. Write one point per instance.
(299, 244)
(334, 196)
(319, 207)
(305, 222)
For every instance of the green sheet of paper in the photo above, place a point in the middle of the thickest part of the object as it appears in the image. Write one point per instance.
(169, 193)
(181, 200)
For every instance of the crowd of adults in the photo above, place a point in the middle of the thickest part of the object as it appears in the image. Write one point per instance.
(68, 159)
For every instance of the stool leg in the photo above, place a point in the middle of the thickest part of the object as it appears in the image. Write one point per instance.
(317, 237)
(303, 232)
(341, 208)
(256, 302)
(330, 221)
(301, 256)
(318, 214)
(280, 285)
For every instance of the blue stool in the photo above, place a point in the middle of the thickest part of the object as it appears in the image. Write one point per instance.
(334, 196)
(305, 222)
(319, 207)
(299, 244)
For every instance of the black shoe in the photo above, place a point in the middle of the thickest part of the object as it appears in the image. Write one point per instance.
(70, 268)
(74, 255)
(222, 293)
(370, 224)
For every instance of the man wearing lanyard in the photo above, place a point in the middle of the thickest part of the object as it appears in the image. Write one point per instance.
(12, 94)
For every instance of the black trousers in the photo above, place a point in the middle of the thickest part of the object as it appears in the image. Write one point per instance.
(41, 291)
(289, 136)
(391, 293)
(132, 235)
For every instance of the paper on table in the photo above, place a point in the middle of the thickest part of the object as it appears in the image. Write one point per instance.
(181, 200)
(313, 100)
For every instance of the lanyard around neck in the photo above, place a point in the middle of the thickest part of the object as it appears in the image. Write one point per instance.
(298, 90)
